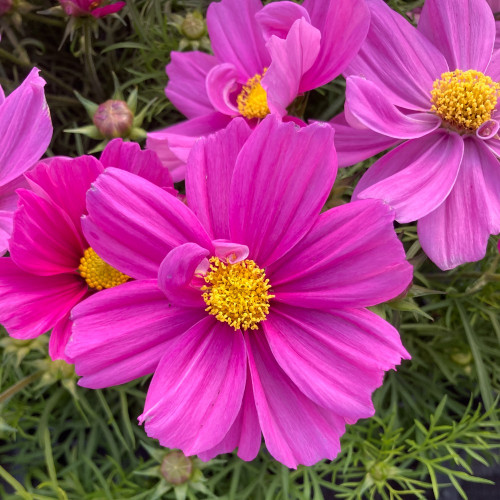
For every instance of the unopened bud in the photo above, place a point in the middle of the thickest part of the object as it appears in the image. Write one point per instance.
(113, 119)
(176, 468)
(193, 26)
(5, 6)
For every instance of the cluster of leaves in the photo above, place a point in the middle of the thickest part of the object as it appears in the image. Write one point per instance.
(437, 417)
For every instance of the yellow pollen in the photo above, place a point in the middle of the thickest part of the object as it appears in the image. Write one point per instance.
(464, 99)
(237, 294)
(252, 100)
(97, 273)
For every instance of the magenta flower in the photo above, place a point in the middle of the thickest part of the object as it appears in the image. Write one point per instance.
(94, 8)
(435, 88)
(25, 133)
(264, 58)
(254, 304)
(51, 265)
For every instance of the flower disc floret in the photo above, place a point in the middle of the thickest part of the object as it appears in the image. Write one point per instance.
(97, 273)
(464, 99)
(237, 294)
(252, 100)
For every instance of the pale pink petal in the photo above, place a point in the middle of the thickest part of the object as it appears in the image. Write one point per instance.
(290, 59)
(44, 239)
(221, 84)
(458, 230)
(209, 174)
(173, 144)
(187, 73)
(416, 177)
(277, 18)
(370, 105)
(197, 389)
(236, 36)
(343, 25)
(244, 434)
(296, 430)
(337, 359)
(25, 128)
(463, 30)
(296, 164)
(133, 224)
(350, 258)
(121, 333)
(8, 195)
(130, 157)
(31, 305)
(177, 272)
(398, 58)
(494, 145)
(354, 145)
(493, 69)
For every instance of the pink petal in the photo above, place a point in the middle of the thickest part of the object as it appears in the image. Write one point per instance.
(494, 146)
(176, 273)
(350, 258)
(399, 59)
(236, 37)
(6, 221)
(133, 224)
(25, 128)
(31, 305)
(65, 182)
(244, 434)
(173, 144)
(130, 157)
(343, 25)
(330, 356)
(59, 338)
(370, 105)
(209, 174)
(290, 60)
(282, 178)
(44, 239)
(463, 30)
(197, 389)
(416, 177)
(354, 145)
(277, 18)
(107, 9)
(296, 430)
(187, 73)
(458, 230)
(121, 333)
(221, 84)
(493, 68)
(8, 195)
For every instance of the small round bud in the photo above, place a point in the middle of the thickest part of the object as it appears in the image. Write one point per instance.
(176, 468)
(5, 6)
(113, 119)
(193, 26)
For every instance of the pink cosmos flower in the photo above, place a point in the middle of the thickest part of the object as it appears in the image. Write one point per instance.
(51, 267)
(81, 8)
(264, 58)
(25, 133)
(434, 89)
(249, 306)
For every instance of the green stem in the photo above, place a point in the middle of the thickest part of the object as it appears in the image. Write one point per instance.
(4, 396)
(89, 61)
(44, 20)
(10, 57)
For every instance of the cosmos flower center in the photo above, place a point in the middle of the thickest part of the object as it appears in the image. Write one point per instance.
(464, 99)
(99, 274)
(237, 294)
(252, 100)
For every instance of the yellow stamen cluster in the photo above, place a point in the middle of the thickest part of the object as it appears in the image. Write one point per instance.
(97, 273)
(237, 294)
(464, 99)
(252, 100)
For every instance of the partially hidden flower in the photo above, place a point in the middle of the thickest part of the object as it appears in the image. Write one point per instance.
(249, 305)
(439, 95)
(94, 8)
(51, 265)
(25, 134)
(264, 57)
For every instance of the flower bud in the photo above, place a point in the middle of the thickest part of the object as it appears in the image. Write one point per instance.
(5, 6)
(113, 119)
(176, 468)
(193, 26)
